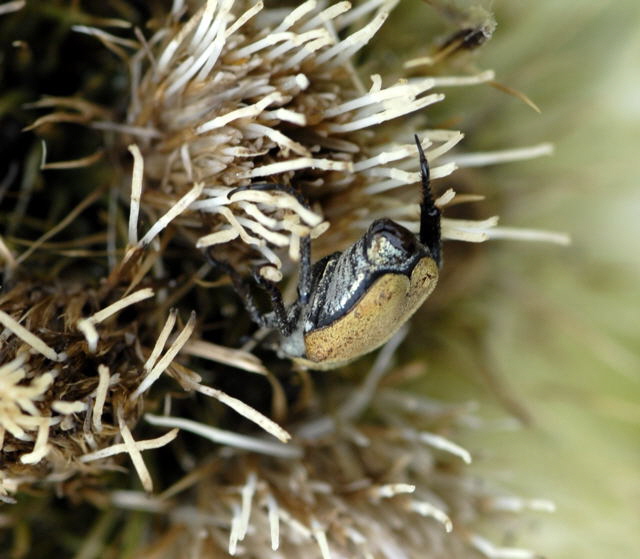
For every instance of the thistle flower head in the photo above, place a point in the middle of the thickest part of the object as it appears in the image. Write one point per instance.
(239, 94)
(226, 97)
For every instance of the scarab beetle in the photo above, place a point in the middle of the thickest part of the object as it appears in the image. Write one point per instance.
(350, 303)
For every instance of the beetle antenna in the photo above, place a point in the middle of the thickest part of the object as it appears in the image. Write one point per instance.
(430, 235)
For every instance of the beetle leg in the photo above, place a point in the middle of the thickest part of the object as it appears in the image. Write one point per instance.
(285, 321)
(304, 279)
(242, 289)
(430, 235)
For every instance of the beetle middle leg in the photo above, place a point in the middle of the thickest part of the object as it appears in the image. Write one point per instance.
(284, 319)
(304, 278)
(242, 289)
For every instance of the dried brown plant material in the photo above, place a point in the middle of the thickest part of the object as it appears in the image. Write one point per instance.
(384, 486)
(29, 338)
(222, 97)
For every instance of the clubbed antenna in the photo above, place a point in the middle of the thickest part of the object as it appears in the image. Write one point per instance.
(429, 213)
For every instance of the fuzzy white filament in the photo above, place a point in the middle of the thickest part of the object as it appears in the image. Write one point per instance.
(490, 551)
(391, 490)
(134, 453)
(279, 138)
(228, 438)
(88, 325)
(121, 447)
(296, 15)
(402, 91)
(517, 504)
(12, 6)
(40, 448)
(520, 234)
(283, 201)
(90, 333)
(161, 341)
(101, 396)
(236, 225)
(402, 107)
(11, 367)
(166, 360)
(320, 536)
(7, 255)
(425, 508)
(245, 410)
(66, 408)
(29, 338)
(362, 397)
(353, 43)
(246, 16)
(107, 38)
(112, 309)
(245, 112)
(456, 81)
(270, 40)
(327, 15)
(385, 157)
(247, 492)
(297, 164)
(274, 521)
(173, 212)
(234, 532)
(137, 500)
(219, 237)
(399, 177)
(221, 354)
(19, 414)
(136, 193)
(502, 156)
(438, 441)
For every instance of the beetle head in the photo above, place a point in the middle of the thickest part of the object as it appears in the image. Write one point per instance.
(390, 245)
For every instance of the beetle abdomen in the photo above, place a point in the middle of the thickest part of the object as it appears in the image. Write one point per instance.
(374, 318)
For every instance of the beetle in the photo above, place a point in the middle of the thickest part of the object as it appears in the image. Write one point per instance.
(351, 302)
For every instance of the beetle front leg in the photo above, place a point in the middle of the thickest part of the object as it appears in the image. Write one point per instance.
(304, 278)
(285, 322)
(430, 234)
